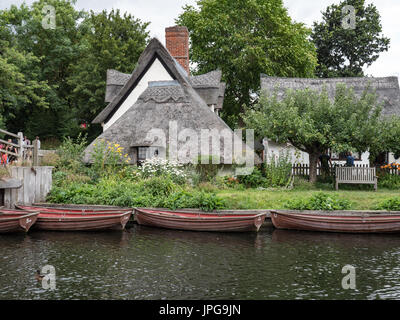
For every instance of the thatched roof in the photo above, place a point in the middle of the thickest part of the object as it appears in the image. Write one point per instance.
(160, 104)
(210, 87)
(118, 84)
(184, 101)
(154, 50)
(387, 88)
(208, 80)
(115, 81)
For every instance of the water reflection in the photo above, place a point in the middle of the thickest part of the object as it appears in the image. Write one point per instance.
(151, 263)
(379, 241)
(195, 238)
(109, 238)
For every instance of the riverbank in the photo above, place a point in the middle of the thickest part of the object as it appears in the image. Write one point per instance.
(276, 199)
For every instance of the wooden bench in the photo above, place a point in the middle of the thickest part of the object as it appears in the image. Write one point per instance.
(357, 175)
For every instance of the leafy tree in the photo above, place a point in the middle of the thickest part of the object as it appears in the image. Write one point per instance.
(313, 123)
(55, 77)
(244, 38)
(109, 41)
(52, 51)
(387, 138)
(19, 87)
(344, 51)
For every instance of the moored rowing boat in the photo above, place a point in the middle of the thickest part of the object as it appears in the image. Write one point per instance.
(16, 220)
(337, 221)
(79, 218)
(199, 221)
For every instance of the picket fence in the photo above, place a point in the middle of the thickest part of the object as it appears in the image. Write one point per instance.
(304, 170)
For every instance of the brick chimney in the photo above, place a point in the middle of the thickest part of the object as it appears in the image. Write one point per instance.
(177, 43)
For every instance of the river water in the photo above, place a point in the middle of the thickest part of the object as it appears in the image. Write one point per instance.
(150, 263)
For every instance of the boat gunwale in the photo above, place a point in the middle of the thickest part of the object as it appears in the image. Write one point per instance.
(338, 213)
(72, 206)
(27, 215)
(171, 215)
(62, 215)
(349, 220)
(83, 213)
(232, 212)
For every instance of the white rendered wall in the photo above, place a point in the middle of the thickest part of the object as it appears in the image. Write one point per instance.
(393, 159)
(156, 72)
(273, 149)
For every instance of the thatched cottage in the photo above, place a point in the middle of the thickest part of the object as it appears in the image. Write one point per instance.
(161, 109)
(387, 89)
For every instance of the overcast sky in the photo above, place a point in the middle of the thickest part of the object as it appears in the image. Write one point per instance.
(162, 13)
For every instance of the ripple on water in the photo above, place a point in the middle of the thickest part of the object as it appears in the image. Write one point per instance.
(149, 263)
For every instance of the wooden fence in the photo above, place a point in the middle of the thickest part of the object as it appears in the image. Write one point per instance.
(35, 185)
(22, 151)
(304, 170)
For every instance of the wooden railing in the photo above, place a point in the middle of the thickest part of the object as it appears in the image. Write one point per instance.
(23, 152)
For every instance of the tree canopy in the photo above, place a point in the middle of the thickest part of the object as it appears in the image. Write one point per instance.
(348, 40)
(55, 76)
(109, 41)
(244, 38)
(313, 123)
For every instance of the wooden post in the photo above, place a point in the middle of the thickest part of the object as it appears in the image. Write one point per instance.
(20, 148)
(35, 153)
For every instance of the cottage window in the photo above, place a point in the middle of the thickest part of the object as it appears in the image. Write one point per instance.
(147, 153)
(142, 153)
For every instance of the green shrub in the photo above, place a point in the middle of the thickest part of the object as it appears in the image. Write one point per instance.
(391, 204)
(108, 158)
(50, 159)
(253, 180)
(389, 181)
(228, 182)
(151, 192)
(78, 193)
(70, 153)
(319, 201)
(159, 186)
(65, 177)
(278, 171)
(195, 199)
(207, 167)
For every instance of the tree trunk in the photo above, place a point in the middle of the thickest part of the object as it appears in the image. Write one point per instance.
(313, 166)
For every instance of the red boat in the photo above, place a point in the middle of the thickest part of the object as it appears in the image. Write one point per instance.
(338, 221)
(16, 220)
(199, 221)
(79, 218)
